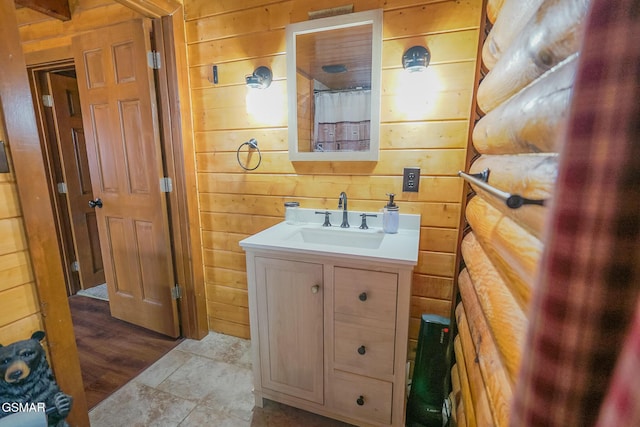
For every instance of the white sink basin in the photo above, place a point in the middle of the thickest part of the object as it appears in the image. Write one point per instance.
(310, 237)
(338, 237)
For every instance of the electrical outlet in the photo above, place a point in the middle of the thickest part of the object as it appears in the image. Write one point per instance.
(411, 180)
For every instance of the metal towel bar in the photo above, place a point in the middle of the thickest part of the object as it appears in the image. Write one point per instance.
(513, 201)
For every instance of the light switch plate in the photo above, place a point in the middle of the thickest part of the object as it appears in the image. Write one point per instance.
(4, 163)
(411, 180)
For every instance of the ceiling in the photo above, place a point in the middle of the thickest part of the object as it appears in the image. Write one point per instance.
(58, 9)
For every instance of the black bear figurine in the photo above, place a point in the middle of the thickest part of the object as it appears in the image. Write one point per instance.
(27, 383)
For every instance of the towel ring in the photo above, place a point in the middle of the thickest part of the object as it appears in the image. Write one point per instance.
(253, 144)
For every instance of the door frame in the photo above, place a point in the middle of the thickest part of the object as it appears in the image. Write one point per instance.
(50, 149)
(35, 198)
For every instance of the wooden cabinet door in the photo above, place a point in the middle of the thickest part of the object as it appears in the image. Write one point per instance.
(290, 314)
(123, 146)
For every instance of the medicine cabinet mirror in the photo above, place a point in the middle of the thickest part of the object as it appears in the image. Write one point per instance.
(333, 86)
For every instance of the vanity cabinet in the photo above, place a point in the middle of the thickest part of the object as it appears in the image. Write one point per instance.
(330, 335)
(290, 312)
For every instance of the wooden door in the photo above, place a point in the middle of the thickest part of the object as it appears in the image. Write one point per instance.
(125, 158)
(290, 323)
(77, 179)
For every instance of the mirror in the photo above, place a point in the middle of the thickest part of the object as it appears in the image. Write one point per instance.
(333, 87)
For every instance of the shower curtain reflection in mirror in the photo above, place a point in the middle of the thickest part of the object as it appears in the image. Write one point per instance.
(342, 120)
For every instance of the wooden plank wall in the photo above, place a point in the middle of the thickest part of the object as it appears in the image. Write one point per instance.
(424, 124)
(47, 39)
(525, 97)
(19, 306)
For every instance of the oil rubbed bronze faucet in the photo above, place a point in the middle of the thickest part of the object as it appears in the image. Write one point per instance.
(342, 204)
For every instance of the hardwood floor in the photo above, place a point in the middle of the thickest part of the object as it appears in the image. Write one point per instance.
(111, 351)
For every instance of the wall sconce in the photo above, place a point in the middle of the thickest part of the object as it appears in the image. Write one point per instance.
(416, 58)
(260, 79)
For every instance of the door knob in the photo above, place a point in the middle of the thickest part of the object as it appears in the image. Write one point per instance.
(362, 349)
(315, 289)
(360, 401)
(95, 203)
(362, 296)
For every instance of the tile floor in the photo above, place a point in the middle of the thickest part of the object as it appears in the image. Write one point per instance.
(198, 383)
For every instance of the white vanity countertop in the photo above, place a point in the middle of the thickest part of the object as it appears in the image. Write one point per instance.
(309, 236)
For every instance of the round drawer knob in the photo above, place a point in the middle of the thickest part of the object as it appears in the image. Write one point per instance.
(315, 289)
(363, 296)
(360, 401)
(362, 350)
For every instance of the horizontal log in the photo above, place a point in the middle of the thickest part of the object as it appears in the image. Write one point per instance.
(514, 252)
(465, 388)
(505, 318)
(454, 409)
(493, 371)
(462, 417)
(513, 16)
(493, 9)
(530, 121)
(532, 176)
(455, 396)
(477, 385)
(547, 40)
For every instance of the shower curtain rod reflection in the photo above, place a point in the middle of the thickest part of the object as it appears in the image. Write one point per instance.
(354, 89)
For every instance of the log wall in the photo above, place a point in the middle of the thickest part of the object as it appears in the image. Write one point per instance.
(421, 126)
(531, 52)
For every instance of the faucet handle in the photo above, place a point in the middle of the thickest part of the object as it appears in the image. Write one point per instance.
(364, 216)
(326, 218)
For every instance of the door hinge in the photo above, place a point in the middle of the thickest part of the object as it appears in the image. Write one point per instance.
(176, 292)
(153, 59)
(62, 187)
(47, 100)
(166, 184)
(75, 266)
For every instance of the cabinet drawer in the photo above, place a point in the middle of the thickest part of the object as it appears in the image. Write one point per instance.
(362, 398)
(365, 293)
(363, 350)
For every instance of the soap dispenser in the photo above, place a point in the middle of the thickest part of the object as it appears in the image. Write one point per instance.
(390, 216)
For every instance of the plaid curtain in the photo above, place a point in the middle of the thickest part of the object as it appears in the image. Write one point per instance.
(587, 292)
